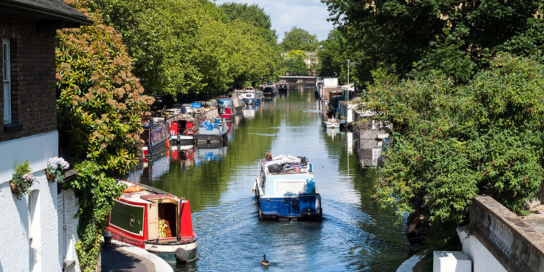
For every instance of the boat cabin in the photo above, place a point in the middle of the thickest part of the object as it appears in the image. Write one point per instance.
(226, 108)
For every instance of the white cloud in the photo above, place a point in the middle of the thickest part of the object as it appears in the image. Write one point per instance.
(310, 15)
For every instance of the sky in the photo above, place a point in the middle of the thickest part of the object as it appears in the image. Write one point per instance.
(310, 15)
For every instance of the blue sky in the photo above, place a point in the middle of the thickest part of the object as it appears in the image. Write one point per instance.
(310, 15)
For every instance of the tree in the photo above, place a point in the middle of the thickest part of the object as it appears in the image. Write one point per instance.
(299, 39)
(189, 46)
(251, 14)
(100, 102)
(459, 83)
(401, 33)
(99, 106)
(331, 59)
(295, 65)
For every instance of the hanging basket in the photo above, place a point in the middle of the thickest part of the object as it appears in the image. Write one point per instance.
(14, 188)
(50, 177)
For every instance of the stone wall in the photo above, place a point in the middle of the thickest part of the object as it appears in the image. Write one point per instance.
(513, 243)
(32, 77)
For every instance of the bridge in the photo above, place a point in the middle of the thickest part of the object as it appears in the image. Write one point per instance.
(300, 79)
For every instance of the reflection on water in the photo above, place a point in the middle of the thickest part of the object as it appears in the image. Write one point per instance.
(355, 234)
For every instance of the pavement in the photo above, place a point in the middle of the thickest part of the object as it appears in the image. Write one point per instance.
(121, 257)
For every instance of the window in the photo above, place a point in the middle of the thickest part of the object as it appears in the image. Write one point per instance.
(6, 79)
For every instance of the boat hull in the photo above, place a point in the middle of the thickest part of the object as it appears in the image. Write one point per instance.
(211, 138)
(301, 207)
(182, 139)
(167, 251)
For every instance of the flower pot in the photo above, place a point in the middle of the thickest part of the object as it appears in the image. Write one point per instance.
(14, 188)
(50, 177)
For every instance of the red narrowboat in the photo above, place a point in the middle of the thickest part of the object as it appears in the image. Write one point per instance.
(155, 220)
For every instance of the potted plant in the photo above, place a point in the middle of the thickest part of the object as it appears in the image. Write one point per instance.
(55, 169)
(22, 180)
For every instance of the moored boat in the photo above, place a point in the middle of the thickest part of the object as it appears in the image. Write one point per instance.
(332, 123)
(154, 136)
(285, 189)
(183, 131)
(226, 108)
(249, 96)
(270, 90)
(155, 220)
(209, 132)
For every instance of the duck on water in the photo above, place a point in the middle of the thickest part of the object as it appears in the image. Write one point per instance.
(285, 189)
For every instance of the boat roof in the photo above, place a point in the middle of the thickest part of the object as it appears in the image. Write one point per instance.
(146, 195)
(295, 178)
(284, 158)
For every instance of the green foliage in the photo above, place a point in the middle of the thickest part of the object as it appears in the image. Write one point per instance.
(100, 101)
(466, 116)
(189, 46)
(23, 168)
(453, 142)
(251, 14)
(295, 66)
(299, 39)
(95, 193)
(332, 57)
(296, 53)
(402, 33)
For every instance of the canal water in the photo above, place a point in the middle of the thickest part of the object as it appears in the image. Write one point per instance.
(355, 235)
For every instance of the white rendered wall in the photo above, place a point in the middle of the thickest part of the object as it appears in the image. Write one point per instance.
(14, 232)
(14, 214)
(37, 149)
(66, 246)
(482, 259)
(332, 81)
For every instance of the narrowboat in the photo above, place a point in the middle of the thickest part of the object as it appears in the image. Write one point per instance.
(249, 96)
(270, 90)
(226, 108)
(283, 86)
(285, 189)
(154, 136)
(155, 220)
(210, 132)
(183, 131)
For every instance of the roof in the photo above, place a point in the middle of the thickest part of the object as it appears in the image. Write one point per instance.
(50, 9)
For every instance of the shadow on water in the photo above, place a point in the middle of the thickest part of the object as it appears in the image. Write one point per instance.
(355, 235)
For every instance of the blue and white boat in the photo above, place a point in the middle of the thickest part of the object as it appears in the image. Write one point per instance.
(285, 189)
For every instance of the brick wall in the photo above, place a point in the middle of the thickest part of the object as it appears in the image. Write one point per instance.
(33, 77)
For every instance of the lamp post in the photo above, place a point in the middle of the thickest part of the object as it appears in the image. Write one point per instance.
(347, 90)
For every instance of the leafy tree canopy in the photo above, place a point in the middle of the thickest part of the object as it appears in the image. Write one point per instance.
(100, 100)
(251, 14)
(296, 53)
(299, 39)
(189, 46)
(460, 81)
(401, 33)
(332, 60)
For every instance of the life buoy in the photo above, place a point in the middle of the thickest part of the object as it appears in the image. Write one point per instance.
(167, 143)
(133, 189)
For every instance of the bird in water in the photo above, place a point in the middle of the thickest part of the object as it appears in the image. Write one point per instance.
(265, 262)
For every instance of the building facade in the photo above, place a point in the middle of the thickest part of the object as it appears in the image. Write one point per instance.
(30, 227)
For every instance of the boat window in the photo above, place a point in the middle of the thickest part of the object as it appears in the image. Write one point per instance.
(168, 220)
(290, 186)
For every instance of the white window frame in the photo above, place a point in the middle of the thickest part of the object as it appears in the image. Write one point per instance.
(6, 79)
